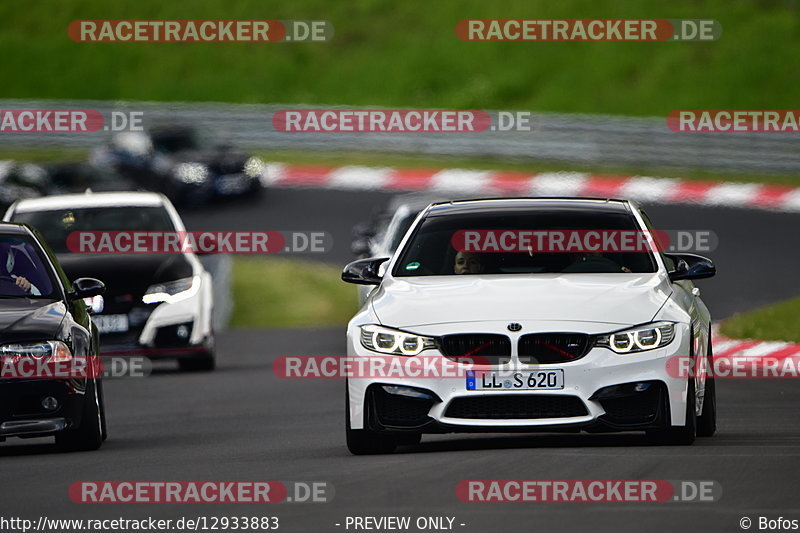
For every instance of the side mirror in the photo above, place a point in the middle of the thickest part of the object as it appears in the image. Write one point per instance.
(86, 288)
(364, 271)
(691, 266)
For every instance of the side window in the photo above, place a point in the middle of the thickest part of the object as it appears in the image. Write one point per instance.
(60, 274)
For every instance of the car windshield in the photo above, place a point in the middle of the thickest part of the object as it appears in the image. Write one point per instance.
(527, 242)
(176, 141)
(23, 269)
(56, 225)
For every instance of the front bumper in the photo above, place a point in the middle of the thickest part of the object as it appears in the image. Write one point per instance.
(175, 330)
(600, 393)
(22, 413)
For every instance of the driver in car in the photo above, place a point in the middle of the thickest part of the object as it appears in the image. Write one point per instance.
(15, 258)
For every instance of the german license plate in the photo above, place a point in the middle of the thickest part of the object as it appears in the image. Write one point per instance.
(515, 379)
(111, 323)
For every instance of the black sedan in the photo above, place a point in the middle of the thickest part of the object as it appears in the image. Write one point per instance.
(176, 161)
(50, 383)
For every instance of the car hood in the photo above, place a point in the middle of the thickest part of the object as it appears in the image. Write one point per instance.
(29, 319)
(127, 273)
(624, 299)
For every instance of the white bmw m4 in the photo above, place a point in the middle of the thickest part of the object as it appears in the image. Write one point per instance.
(529, 315)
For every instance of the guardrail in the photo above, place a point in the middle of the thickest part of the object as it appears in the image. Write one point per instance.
(577, 139)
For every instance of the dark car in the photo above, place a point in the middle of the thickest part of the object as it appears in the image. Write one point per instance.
(19, 181)
(44, 322)
(174, 160)
(157, 305)
(76, 177)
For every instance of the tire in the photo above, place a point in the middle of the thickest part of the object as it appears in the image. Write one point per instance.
(364, 441)
(103, 425)
(707, 421)
(679, 435)
(205, 362)
(89, 435)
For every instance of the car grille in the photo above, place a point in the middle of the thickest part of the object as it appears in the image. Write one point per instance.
(479, 348)
(545, 348)
(516, 406)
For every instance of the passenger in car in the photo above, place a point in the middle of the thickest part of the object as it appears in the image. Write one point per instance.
(468, 263)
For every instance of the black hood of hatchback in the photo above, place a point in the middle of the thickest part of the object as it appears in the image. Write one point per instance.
(126, 273)
(30, 319)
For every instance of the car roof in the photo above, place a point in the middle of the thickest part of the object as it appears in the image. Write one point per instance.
(10, 228)
(420, 201)
(99, 199)
(491, 205)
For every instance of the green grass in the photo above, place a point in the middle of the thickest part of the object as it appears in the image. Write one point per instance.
(407, 54)
(43, 155)
(777, 322)
(277, 292)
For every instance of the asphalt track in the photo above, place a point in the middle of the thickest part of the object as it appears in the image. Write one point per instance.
(242, 422)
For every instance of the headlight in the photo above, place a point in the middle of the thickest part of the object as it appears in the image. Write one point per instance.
(50, 351)
(172, 291)
(638, 339)
(254, 167)
(194, 173)
(393, 341)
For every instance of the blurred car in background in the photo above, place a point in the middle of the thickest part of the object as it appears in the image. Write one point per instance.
(21, 180)
(174, 161)
(77, 177)
(380, 236)
(156, 304)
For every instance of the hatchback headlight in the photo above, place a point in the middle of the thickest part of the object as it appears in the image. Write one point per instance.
(394, 341)
(254, 167)
(172, 291)
(49, 351)
(638, 339)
